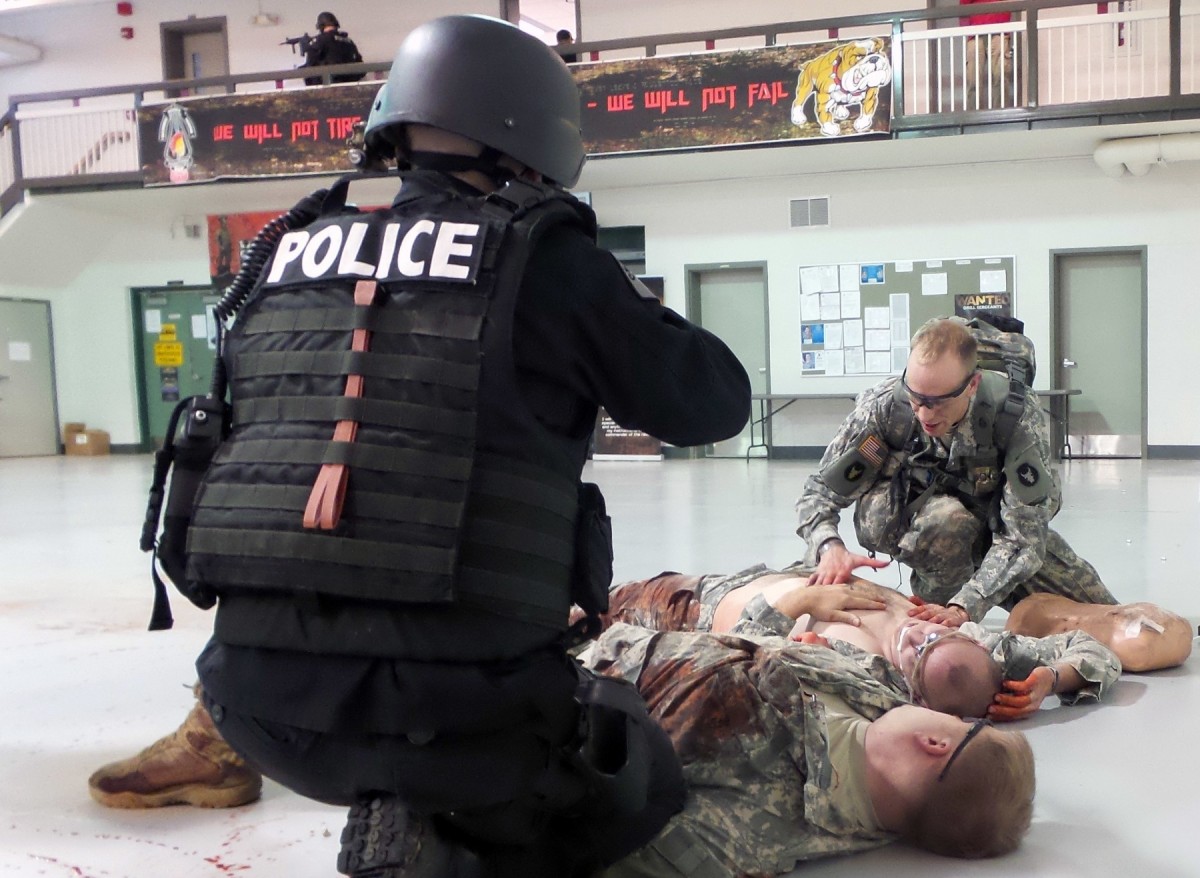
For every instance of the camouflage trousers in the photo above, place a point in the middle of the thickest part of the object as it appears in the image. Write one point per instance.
(946, 544)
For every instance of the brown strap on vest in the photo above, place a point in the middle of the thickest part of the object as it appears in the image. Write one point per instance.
(324, 509)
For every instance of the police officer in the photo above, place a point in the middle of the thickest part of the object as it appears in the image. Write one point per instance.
(392, 622)
(331, 46)
(949, 468)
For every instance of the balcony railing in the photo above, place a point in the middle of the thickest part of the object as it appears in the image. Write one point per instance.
(1054, 59)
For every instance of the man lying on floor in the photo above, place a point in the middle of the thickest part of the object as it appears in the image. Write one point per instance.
(968, 672)
(793, 752)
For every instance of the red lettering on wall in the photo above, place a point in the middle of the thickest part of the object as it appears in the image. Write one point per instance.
(724, 95)
(767, 91)
(617, 103)
(664, 99)
(260, 131)
(222, 132)
(340, 127)
(306, 129)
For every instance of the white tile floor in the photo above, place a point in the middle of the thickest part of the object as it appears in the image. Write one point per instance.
(82, 682)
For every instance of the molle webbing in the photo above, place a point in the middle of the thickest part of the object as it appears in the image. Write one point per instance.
(348, 408)
(456, 325)
(427, 517)
(366, 363)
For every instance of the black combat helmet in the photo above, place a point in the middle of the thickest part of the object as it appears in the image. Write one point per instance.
(488, 80)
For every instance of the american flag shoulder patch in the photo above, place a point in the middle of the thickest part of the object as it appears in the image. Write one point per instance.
(872, 450)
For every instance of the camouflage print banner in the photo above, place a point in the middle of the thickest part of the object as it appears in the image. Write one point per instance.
(786, 93)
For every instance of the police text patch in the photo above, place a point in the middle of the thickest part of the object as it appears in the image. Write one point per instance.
(420, 248)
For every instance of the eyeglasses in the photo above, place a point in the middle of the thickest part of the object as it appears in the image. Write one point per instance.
(978, 726)
(922, 651)
(921, 400)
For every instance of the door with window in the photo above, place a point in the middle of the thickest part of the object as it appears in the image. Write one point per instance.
(175, 335)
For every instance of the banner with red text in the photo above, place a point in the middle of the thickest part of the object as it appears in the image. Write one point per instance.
(280, 133)
(778, 94)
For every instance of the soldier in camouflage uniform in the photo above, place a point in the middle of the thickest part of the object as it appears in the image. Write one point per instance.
(934, 488)
(793, 752)
(865, 617)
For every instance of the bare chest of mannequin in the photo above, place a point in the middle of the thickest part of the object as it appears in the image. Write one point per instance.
(875, 635)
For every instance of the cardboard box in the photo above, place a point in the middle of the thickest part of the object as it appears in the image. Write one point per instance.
(87, 442)
(70, 429)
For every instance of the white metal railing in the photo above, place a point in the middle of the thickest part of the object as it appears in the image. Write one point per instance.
(939, 76)
(58, 143)
(1095, 56)
(1189, 42)
(1104, 57)
(7, 165)
(1084, 55)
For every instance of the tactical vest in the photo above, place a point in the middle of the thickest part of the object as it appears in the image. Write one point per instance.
(998, 406)
(380, 447)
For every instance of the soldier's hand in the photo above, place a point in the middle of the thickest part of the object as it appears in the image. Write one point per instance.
(810, 637)
(1018, 699)
(826, 603)
(837, 563)
(952, 616)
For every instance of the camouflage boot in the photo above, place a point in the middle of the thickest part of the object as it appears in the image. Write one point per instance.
(191, 766)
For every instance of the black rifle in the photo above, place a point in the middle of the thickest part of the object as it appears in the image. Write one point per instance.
(302, 41)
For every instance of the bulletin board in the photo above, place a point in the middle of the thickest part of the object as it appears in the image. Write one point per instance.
(858, 318)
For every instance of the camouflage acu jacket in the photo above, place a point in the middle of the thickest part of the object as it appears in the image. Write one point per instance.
(753, 742)
(1018, 536)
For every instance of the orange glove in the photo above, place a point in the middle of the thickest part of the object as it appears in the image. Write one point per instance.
(1018, 699)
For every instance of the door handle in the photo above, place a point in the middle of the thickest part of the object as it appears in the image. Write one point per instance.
(1068, 364)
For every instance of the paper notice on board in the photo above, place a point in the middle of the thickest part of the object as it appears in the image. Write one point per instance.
(899, 358)
(878, 340)
(878, 362)
(898, 305)
(935, 284)
(847, 278)
(851, 303)
(876, 318)
(834, 363)
(831, 306)
(152, 320)
(900, 333)
(902, 266)
(833, 336)
(852, 334)
(855, 363)
(993, 281)
(829, 278)
(810, 280)
(810, 308)
(199, 326)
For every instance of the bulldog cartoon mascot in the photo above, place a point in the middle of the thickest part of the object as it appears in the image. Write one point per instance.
(846, 76)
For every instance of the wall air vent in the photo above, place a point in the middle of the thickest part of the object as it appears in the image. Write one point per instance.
(807, 212)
